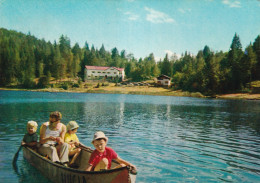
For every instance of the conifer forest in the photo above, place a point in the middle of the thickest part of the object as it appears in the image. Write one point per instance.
(23, 58)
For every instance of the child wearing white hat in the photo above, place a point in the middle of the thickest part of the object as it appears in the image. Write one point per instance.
(72, 139)
(31, 137)
(102, 156)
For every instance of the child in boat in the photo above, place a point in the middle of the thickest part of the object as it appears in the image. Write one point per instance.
(102, 156)
(30, 138)
(73, 141)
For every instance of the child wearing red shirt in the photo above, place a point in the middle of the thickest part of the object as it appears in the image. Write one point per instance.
(102, 156)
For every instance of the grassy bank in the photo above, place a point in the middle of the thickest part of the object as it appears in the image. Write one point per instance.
(138, 90)
(111, 88)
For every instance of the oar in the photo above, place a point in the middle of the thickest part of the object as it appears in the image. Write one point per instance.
(84, 147)
(16, 157)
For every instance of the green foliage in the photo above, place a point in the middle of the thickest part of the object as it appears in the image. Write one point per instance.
(166, 68)
(211, 73)
(65, 86)
(79, 81)
(234, 62)
(256, 48)
(28, 82)
(75, 85)
(105, 84)
(43, 82)
(24, 58)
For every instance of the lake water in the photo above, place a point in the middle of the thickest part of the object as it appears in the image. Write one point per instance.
(169, 139)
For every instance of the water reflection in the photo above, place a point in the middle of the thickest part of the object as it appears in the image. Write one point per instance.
(27, 173)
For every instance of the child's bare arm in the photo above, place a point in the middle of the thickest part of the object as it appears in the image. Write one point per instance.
(31, 144)
(124, 162)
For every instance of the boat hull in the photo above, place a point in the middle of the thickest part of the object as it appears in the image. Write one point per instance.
(61, 174)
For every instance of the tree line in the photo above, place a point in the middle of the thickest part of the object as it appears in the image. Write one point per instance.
(23, 58)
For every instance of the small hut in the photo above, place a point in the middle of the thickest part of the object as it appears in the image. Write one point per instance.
(164, 80)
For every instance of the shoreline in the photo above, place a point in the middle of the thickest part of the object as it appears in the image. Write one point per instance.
(142, 90)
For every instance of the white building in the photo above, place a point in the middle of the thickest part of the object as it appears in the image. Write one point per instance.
(96, 72)
(164, 80)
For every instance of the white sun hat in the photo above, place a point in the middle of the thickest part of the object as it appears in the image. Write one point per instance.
(99, 135)
(72, 125)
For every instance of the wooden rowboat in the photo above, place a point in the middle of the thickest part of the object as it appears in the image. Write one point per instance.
(62, 174)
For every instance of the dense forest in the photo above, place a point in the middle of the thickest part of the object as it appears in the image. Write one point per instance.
(23, 58)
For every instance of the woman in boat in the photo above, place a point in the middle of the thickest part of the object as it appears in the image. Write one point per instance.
(102, 156)
(52, 140)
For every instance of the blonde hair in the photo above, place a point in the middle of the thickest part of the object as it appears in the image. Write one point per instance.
(32, 124)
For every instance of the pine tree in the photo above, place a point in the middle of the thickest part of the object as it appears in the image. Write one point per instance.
(102, 51)
(123, 54)
(235, 57)
(206, 52)
(155, 70)
(115, 53)
(256, 70)
(249, 63)
(56, 67)
(166, 66)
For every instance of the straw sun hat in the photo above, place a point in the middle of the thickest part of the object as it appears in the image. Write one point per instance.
(99, 135)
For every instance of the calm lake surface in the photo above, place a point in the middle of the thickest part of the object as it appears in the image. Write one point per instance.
(169, 139)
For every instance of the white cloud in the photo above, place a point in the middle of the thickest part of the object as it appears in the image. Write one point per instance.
(131, 16)
(157, 59)
(172, 54)
(232, 3)
(169, 52)
(157, 16)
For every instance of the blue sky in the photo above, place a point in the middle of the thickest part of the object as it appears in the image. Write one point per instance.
(140, 27)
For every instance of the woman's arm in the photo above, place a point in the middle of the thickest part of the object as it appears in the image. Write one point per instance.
(60, 139)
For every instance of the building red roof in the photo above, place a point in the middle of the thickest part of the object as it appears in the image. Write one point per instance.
(102, 68)
(161, 77)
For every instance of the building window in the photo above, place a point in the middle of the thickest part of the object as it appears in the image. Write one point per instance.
(108, 72)
(114, 72)
(99, 72)
(93, 71)
(104, 72)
